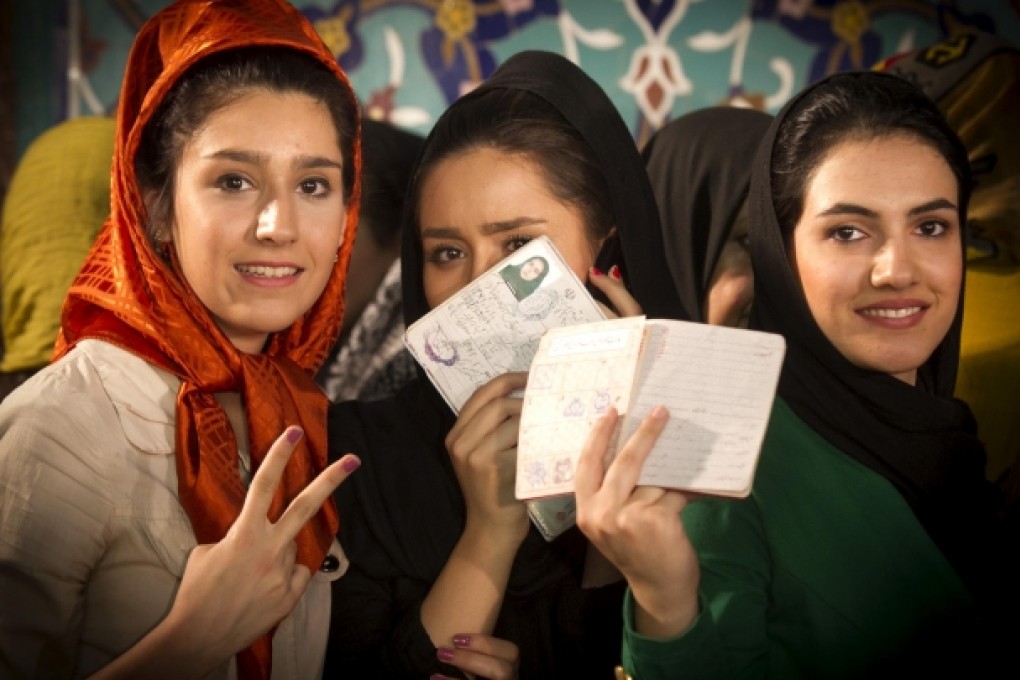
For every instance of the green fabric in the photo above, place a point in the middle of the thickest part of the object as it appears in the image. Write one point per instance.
(823, 571)
(58, 199)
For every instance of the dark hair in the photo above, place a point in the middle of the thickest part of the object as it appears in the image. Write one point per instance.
(855, 107)
(387, 161)
(520, 122)
(218, 81)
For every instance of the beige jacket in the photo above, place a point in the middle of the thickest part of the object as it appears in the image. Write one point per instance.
(93, 539)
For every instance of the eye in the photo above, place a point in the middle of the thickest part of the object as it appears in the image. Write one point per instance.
(932, 229)
(515, 242)
(444, 254)
(315, 186)
(845, 233)
(233, 182)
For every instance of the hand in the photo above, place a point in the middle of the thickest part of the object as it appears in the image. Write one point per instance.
(234, 591)
(482, 656)
(611, 283)
(639, 528)
(483, 449)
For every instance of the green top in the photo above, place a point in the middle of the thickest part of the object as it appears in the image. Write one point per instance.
(824, 571)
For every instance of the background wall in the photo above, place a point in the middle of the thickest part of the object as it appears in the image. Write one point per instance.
(409, 58)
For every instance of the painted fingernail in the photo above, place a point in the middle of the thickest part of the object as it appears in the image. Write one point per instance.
(614, 271)
(294, 434)
(350, 465)
(462, 640)
(595, 271)
(444, 654)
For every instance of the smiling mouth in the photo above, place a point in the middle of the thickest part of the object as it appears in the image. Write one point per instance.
(891, 313)
(266, 272)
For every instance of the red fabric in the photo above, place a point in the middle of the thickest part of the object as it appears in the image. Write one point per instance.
(126, 295)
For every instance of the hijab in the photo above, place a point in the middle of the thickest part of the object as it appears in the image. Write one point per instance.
(128, 296)
(917, 437)
(700, 169)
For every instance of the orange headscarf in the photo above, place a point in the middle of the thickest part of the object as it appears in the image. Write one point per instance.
(126, 295)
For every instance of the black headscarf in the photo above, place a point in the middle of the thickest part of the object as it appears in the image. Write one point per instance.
(700, 169)
(406, 494)
(918, 437)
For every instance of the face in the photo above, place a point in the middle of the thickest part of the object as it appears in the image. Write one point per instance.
(532, 269)
(258, 212)
(478, 207)
(731, 290)
(879, 253)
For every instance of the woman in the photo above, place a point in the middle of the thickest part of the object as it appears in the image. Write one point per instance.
(189, 341)
(447, 573)
(700, 169)
(525, 278)
(866, 546)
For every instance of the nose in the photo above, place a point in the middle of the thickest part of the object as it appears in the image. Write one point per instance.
(275, 223)
(894, 265)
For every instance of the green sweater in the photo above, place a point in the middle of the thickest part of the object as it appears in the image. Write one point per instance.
(824, 571)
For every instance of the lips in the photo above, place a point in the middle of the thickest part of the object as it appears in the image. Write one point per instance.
(891, 313)
(895, 313)
(266, 271)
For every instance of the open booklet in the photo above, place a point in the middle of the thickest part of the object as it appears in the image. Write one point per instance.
(493, 326)
(717, 383)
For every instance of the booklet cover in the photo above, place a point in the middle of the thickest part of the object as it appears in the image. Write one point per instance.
(717, 383)
(493, 326)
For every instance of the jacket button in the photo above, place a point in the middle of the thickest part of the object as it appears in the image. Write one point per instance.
(330, 564)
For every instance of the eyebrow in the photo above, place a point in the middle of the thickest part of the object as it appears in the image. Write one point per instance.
(302, 162)
(854, 209)
(488, 229)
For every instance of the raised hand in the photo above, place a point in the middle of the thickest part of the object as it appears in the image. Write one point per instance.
(483, 449)
(638, 528)
(482, 656)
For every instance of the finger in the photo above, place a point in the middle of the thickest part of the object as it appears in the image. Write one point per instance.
(311, 498)
(611, 284)
(267, 477)
(496, 426)
(299, 579)
(500, 386)
(591, 463)
(487, 644)
(480, 664)
(622, 475)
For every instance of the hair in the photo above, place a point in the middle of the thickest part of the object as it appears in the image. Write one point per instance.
(856, 107)
(218, 81)
(522, 123)
(388, 154)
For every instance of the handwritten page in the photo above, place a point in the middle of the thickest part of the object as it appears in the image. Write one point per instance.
(718, 384)
(493, 325)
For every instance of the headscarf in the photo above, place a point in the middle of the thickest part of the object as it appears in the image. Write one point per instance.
(918, 437)
(700, 169)
(127, 296)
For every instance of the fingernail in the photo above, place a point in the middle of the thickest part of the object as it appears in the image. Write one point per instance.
(350, 465)
(659, 412)
(462, 640)
(437, 676)
(294, 434)
(595, 271)
(614, 271)
(444, 654)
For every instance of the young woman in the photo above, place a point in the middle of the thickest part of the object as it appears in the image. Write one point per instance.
(867, 545)
(447, 573)
(700, 169)
(189, 341)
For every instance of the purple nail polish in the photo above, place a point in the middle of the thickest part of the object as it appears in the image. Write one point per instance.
(294, 434)
(350, 465)
(462, 640)
(444, 654)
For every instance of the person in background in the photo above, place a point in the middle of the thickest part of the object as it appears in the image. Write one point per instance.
(447, 573)
(153, 522)
(870, 543)
(369, 360)
(52, 212)
(700, 169)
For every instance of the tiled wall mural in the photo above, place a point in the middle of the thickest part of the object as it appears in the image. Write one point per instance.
(657, 59)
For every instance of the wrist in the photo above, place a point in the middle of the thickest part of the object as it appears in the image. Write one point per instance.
(663, 615)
